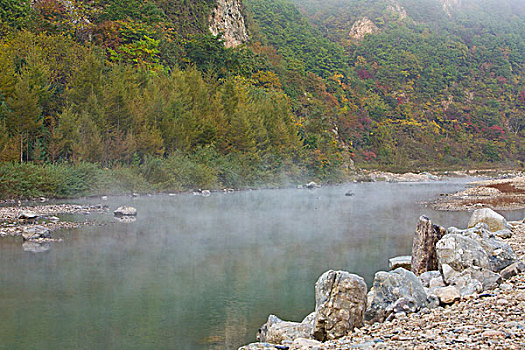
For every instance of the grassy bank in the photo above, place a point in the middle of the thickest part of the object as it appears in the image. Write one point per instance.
(178, 172)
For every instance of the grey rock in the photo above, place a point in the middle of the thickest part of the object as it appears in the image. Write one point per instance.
(512, 270)
(436, 282)
(500, 253)
(505, 234)
(400, 261)
(125, 211)
(433, 301)
(469, 279)
(426, 277)
(424, 256)
(448, 295)
(306, 344)
(277, 331)
(258, 346)
(460, 252)
(406, 304)
(488, 216)
(35, 232)
(388, 287)
(340, 304)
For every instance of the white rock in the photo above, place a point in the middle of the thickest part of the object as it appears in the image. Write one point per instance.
(495, 221)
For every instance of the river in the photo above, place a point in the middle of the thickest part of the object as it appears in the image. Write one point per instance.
(203, 273)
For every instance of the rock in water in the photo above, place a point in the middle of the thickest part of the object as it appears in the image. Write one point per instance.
(277, 331)
(495, 221)
(424, 256)
(388, 288)
(400, 261)
(125, 211)
(28, 215)
(35, 232)
(340, 304)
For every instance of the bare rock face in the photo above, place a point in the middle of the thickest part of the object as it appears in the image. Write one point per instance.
(361, 28)
(397, 10)
(388, 288)
(424, 256)
(494, 221)
(449, 6)
(340, 299)
(227, 18)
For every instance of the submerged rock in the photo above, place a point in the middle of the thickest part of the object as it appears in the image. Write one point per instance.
(495, 221)
(340, 299)
(424, 256)
(388, 288)
(125, 211)
(35, 247)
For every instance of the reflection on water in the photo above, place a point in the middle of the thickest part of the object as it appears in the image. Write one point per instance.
(203, 273)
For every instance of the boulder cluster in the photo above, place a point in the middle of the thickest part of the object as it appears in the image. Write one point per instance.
(446, 265)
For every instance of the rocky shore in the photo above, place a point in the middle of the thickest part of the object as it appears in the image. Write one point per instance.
(37, 222)
(464, 289)
(501, 194)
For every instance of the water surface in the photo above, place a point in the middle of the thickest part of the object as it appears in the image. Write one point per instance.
(203, 273)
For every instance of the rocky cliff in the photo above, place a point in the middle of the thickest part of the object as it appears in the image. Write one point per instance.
(362, 27)
(227, 18)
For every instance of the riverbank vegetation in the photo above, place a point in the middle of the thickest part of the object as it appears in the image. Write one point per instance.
(124, 95)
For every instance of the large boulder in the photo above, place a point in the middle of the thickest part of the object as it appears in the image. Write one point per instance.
(35, 232)
(388, 288)
(277, 331)
(340, 299)
(460, 252)
(495, 221)
(500, 254)
(424, 256)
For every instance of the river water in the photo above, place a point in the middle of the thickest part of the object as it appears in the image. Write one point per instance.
(203, 273)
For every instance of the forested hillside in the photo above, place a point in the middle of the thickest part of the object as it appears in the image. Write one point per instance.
(140, 92)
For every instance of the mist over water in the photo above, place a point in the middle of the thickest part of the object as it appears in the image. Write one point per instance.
(204, 273)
